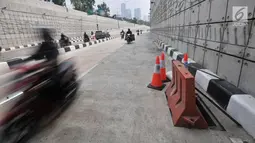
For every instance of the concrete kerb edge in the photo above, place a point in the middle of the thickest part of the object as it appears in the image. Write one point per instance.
(69, 48)
(73, 40)
(209, 83)
(60, 50)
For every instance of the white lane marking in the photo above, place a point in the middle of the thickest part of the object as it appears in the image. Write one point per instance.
(83, 74)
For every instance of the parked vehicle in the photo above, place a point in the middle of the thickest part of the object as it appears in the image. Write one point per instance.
(99, 35)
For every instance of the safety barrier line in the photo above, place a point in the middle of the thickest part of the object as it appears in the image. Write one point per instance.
(73, 40)
(5, 66)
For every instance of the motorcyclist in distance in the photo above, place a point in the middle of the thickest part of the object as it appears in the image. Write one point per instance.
(86, 37)
(122, 33)
(64, 40)
(129, 32)
(64, 37)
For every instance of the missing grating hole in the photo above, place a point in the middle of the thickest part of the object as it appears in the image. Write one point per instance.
(210, 118)
(205, 114)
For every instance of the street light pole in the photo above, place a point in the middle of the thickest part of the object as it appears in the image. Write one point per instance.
(118, 23)
(118, 19)
(97, 22)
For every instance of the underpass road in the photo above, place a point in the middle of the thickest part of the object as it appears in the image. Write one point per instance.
(115, 106)
(88, 57)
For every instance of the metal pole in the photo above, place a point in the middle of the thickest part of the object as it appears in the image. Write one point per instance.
(117, 18)
(97, 22)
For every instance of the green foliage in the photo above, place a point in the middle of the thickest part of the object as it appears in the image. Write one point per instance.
(83, 5)
(59, 2)
(134, 20)
(103, 7)
(141, 22)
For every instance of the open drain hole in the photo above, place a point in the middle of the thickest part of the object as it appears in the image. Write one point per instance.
(205, 113)
(210, 118)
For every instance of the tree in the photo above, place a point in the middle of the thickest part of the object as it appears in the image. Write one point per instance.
(83, 5)
(103, 9)
(134, 20)
(59, 2)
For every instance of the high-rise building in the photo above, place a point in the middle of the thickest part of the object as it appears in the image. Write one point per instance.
(145, 17)
(123, 10)
(128, 14)
(137, 13)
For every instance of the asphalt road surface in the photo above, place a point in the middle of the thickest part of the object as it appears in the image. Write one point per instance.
(115, 106)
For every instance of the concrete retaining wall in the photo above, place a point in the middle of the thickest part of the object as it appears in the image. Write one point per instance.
(206, 31)
(19, 20)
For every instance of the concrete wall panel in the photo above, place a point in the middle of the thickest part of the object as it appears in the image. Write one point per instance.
(204, 12)
(191, 50)
(250, 54)
(188, 16)
(252, 36)
(233, 50)
(199, 55)
(218, 10)
(247, 77)
(221, 45)
(211, 60)
(194, 14)
(230, 72)
(237, 35)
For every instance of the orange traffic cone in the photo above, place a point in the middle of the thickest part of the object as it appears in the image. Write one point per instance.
(185, 60)
(156, 82)
(163, 69)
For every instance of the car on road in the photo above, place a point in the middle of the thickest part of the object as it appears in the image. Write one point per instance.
(99, 35)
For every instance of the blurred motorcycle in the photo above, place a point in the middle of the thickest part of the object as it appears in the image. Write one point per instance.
(38, 95)
(128, 38)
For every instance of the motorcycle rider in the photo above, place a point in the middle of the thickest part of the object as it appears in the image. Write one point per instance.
(49, 51)
(64, 40)
(137, 31)
(129, 32)
(122, 33)
(48, 48)
(86, 37)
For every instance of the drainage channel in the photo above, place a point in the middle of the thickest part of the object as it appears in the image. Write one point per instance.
(211, 119)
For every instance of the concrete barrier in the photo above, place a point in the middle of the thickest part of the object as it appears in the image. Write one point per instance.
(242, 108)
(72, 40)
(239, 105)
(80, 46)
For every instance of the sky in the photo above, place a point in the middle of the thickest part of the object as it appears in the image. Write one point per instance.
(130, 4)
